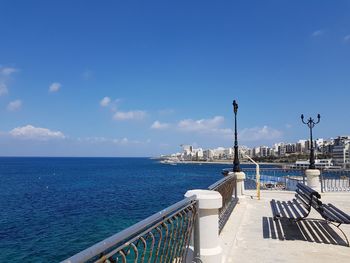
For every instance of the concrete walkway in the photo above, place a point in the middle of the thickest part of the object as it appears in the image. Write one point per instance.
(251, 235)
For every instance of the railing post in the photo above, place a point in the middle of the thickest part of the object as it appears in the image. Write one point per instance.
(196, 236)
(236, 196)
(240, 176)
(209, 203)
(313, 178)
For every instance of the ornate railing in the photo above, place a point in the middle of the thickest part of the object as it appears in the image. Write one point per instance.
(227, 188)
(335, 184)
(162, 237)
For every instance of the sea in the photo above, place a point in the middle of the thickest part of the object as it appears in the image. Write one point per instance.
(52, 208)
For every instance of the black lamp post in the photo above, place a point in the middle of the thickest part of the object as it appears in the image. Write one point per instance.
(311, 123)
(236, 167)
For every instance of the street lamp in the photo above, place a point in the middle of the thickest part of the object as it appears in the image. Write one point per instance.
(311, 123)
(236, 167)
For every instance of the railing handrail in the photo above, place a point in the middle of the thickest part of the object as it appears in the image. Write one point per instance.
(293, 179)
(220, 182)
(105, 244)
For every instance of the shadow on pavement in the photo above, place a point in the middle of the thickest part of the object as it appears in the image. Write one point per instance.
(311, 230)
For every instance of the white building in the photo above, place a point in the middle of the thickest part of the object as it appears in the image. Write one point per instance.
(208, 154)
(341, 151)
(319, 163)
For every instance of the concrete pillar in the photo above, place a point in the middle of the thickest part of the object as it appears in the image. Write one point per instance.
(209, 204)
(240, 176)
(313, 178)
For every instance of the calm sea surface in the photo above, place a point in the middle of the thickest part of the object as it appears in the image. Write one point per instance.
(52, 208)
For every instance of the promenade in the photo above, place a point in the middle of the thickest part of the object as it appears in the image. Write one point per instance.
(251, 235)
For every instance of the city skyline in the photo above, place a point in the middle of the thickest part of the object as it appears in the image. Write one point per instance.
(332, 152)
(133, 79)
(304, 141)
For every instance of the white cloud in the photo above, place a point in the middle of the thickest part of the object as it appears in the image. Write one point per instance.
(159, 126)
(87, 74)
(105, 101)
(104, 140)
(54, 87)
(35, 133)
(7, 71)
(259, 133)
(93, 139)
(5, 75)
(126, 141)
(14, 105)
(129, 115)
(202, 125)
(3, 88)
(121, 141)
(317, 33)
(212, 127)
(347, 38)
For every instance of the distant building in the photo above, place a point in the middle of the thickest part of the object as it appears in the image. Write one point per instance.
(186, 148)
(341, 151)
(338, 149)
(264, 151)
(319, 163)
(208, 154)
(290, 148)
(281, 149)
(256, 152)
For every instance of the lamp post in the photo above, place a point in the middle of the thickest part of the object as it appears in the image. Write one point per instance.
(311, 124)
(236, 167)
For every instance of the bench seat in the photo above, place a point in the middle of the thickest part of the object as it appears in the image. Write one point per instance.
(291, 209)
(299, 207)
(305, 199)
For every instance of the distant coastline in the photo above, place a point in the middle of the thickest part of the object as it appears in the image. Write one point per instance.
(222, 162)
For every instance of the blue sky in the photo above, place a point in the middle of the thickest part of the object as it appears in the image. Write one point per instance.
(139, 78)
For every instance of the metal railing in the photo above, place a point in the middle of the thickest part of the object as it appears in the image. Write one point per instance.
(162, 237)
(286, 179)
(272, 178)
(227, 188)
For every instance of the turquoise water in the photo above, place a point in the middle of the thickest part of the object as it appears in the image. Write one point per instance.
(52, 208)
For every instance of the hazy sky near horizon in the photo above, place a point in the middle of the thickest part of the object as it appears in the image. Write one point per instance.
(139, 78)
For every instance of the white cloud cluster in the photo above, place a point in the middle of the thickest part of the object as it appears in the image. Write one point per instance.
(214, 127)
(317, 33)
(35, 133)
(87, 74)
(14, 105)
(3, 88)
(123, 141)
(129, 115)
(157, 125)
(202, 125)
(5, 73)
(259, 133)
(119, 115)
(105, 101)
(126, 141)
(54, 87)
(92, 139)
